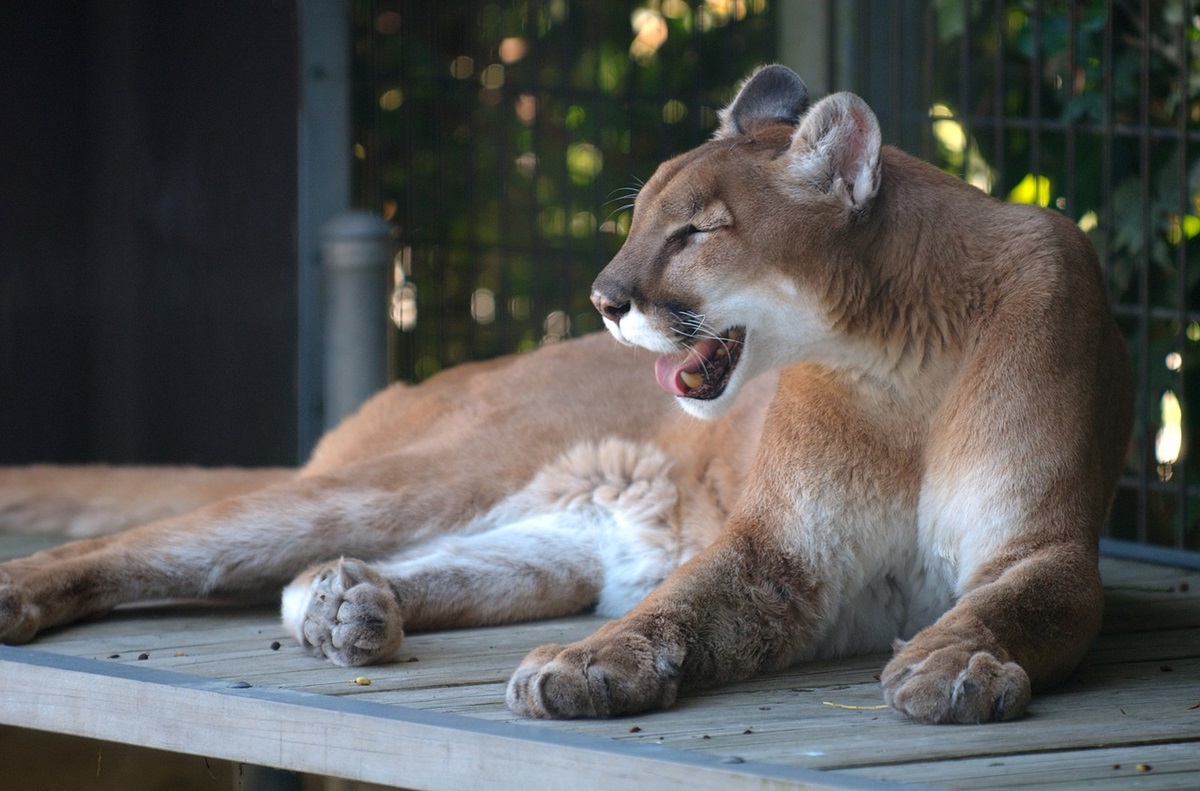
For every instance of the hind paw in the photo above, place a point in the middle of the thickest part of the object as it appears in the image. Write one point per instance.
(346, 612)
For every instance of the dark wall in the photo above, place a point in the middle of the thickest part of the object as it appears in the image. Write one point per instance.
(147, 232)
(42, 257)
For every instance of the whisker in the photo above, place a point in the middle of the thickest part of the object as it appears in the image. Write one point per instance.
(692, 326)
(625, 196)
(618, 210)
(627, 190)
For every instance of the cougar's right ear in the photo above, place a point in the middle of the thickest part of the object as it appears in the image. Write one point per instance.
(837, 148)
(771, 95)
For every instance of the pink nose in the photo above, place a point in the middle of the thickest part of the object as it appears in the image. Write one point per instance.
(609, 308)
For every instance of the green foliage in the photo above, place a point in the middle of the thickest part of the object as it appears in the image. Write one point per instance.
(524, 128)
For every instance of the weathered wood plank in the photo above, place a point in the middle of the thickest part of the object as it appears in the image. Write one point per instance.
(1126, 704)
(1117, 571)
(349, 739)
(1122, 703)
(1145, 646)
(16, 545)
(1151, 767)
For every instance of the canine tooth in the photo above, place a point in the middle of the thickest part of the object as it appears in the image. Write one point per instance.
(691, 379)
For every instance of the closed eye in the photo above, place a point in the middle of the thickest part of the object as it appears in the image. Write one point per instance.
(686, 232)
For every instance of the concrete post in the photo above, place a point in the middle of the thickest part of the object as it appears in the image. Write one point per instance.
(356, 259)
(323, 185)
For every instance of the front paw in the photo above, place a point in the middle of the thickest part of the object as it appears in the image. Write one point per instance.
(623, 674)
(346, 612)
(952, 684)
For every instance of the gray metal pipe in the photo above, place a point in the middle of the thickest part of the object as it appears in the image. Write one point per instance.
(356, 259)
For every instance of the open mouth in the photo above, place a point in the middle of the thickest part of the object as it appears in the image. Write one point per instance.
(704, 370)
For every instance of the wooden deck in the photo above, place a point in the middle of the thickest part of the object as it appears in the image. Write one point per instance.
(227, 683)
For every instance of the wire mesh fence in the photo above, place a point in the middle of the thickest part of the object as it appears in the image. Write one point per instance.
(505, 142)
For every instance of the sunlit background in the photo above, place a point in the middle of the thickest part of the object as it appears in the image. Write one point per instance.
(503, 140)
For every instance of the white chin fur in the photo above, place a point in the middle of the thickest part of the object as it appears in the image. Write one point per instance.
(614, 330)
(705, 410)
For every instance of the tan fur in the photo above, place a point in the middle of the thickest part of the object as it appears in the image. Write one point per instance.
(82, 502)
(933, 463)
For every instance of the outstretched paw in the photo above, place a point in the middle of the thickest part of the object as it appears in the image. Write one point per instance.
(19, 617)
(345, 611)
(623, 674)
(953, 684)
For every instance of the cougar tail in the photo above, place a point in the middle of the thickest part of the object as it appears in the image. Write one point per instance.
(83, 501)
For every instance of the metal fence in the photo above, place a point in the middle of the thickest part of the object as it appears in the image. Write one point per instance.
(502, 138)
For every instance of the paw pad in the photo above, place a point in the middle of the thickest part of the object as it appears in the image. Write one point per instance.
(352, 617)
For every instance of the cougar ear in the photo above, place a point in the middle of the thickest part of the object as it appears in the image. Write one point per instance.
(771, 95)
(837, 148)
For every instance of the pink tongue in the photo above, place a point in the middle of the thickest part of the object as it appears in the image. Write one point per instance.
(667, 369)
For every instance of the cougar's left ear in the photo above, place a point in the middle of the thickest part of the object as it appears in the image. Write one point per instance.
(771, 95)
(837, 148)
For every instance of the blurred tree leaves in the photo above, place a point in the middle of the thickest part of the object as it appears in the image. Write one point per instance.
(522, 128)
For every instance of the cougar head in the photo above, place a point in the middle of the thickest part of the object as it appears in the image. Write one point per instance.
(735, 246)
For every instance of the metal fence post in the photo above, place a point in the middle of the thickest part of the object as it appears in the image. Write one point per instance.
(356, 259)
